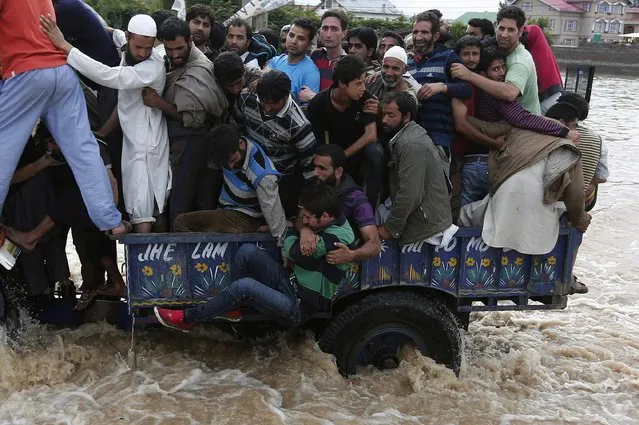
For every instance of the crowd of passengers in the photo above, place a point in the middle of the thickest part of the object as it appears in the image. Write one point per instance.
(203, 128)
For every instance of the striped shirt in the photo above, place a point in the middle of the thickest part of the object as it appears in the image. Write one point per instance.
(436, 114)
(239, 191)
(325, 66)
(590, 148)
(493, 109)
(286, 138)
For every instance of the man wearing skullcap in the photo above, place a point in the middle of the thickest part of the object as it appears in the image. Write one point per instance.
(37, 83)
(146, 176)
(394, 66)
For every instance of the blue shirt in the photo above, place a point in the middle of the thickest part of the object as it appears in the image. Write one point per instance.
(303, 73)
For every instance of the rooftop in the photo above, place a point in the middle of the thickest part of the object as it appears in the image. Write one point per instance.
(491, 16)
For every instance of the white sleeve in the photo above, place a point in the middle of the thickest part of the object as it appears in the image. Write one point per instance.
(119, 38)
(117, 77)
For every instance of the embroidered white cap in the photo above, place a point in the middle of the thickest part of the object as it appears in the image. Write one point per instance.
(397, 53)
(143, 25)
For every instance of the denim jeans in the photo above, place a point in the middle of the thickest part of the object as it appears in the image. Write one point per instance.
(474, 180)
(259, 282)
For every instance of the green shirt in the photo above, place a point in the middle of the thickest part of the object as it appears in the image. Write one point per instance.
(520, 71)
(317, 279)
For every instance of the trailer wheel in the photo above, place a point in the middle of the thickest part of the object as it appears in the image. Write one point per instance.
(374, 329)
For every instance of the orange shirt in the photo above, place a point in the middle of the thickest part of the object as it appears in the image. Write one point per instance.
(23, 46)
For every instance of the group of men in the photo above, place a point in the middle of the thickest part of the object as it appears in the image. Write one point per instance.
(329, 152)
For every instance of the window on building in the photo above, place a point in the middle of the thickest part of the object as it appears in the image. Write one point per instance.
(570, 26)
(617, 9)
(586, 7)
(526, 6)
(614, 27)
(551, 24)
(603, 7)
(570, 42)
(600, 26)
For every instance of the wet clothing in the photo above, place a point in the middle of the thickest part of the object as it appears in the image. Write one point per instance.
(523, 75)
(146, 175)
(436, 114)
(317, 280)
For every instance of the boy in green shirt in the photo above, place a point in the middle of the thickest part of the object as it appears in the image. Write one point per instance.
(264, 284)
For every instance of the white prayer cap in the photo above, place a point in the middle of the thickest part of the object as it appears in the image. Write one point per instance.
(397, 53)
(143, 25)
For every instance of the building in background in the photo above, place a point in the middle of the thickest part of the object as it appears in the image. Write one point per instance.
(573, 21)
(368, 9)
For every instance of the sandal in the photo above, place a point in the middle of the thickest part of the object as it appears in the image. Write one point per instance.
(86, 298)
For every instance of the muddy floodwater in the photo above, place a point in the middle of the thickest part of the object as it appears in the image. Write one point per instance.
(574, 366)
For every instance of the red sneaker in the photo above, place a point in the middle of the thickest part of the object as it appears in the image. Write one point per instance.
(173, 319)
(231, 316)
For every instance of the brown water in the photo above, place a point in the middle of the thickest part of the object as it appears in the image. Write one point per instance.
(574, 366)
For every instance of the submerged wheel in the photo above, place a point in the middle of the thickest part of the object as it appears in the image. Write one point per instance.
(374, 329)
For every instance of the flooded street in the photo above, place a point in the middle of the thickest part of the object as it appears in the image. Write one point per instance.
(574, 366)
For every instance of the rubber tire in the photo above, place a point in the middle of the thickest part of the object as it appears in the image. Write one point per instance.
(427, 317)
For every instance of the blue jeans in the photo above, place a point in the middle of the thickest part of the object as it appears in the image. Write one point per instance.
(54, 94)
(259, 282)
(474, 180)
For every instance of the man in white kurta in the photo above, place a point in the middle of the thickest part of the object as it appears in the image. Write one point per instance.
(146, 175)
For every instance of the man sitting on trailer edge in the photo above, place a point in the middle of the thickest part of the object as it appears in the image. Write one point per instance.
(261, 282)
(329, 162)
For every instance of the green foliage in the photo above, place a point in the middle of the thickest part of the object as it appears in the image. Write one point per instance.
(117, 13)
(457, 30)
(543, 24)
(287, 14)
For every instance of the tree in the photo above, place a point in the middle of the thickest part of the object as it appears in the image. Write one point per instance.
(117, 13)
(544, 25)
(285, 15)
(457, 30)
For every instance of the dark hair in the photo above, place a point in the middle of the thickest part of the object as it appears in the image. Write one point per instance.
(396, 36)
(366, 35)
(347, 69)
(429, 17)
(217, 36)
(273, 86)
(467, 41)
(307, 25)
(173, 28)
(405, 102)
(319, 199)
(237, 22)
(335, 153)
(228, 67)
(336, 13)
(487, 28)
(436, 12)
(224, 141)
(159, 16)
(489, 54)
(578, 102)
(202, 11)
(563, 111)
(512, 12)
(271, 36)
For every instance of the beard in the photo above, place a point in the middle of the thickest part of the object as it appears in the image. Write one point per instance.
(331, 181)
(391, 83)
(392, 131)
(130, 60)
